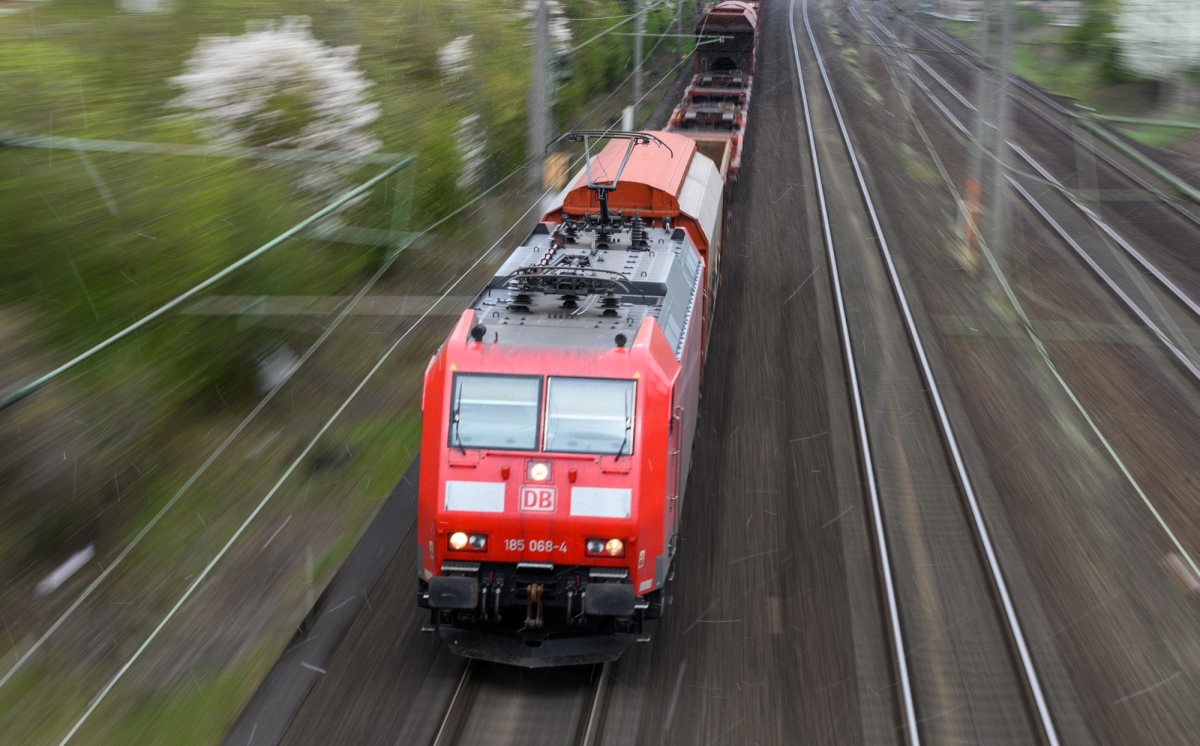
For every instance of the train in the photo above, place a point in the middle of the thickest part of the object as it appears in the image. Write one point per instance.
(559, 416)
(716, 101)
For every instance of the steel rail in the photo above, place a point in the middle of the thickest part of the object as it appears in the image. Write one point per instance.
(1044, 173)
(936, 36)
(1161, 196)
(1070, 241)
(1180, 295)
(456, 709)
(942, 38)
(1149, 266)
(864, 443)
(1018, 637)
(594, 715)
(1028, 325)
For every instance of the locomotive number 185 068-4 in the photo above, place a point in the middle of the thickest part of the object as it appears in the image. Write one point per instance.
(534, 545)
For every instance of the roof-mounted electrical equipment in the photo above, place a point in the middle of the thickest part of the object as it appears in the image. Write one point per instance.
(601, 225)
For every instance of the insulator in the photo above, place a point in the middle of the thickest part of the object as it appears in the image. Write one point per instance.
(519, 302)
(637, 232)
(609, 305)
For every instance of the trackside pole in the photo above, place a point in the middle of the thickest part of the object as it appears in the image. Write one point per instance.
(539, 99)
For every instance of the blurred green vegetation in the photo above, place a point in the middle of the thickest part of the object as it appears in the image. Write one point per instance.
(92, 457)
(1092, 40)
(84, 257)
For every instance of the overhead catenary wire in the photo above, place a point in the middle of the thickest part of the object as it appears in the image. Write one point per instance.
(95, 702)
(609, 18)
(27, 389)
(245, 422)
(627, 78)
(615, 26)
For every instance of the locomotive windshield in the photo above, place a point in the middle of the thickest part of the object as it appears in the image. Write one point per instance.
(495, 412)
(590, 415)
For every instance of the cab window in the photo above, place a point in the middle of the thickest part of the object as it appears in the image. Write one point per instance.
(495, 412)
(590, 415)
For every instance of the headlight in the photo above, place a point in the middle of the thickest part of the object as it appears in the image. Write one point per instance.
(461, 541)
(539, 471)
(604, 547)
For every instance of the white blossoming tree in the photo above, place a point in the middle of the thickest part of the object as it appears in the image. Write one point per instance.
(145, 6)
(276, 86)
(1160, 39)
(454, 59)
(470, 139)
(471, 142)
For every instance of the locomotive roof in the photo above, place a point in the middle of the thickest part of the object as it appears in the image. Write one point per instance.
(658, 281)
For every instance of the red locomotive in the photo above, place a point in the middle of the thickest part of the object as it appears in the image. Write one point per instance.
(559, 415)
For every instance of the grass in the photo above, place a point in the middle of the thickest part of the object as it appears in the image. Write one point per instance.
(1160, 137)
(200, 703)
(1047, 68)
(918, 167)
(961, 30)
(197, 713)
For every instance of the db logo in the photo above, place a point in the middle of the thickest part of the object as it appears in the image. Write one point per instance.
(539, 498)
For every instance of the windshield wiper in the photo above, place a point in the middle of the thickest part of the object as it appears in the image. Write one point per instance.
(628, 427)
(454, 420)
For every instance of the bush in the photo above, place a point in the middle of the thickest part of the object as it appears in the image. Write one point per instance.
(1093, 39)
(1027, 17)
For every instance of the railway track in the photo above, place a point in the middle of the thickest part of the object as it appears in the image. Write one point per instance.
(1138, 260)
(501, 704)
(1062, 119)
(938, 567)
